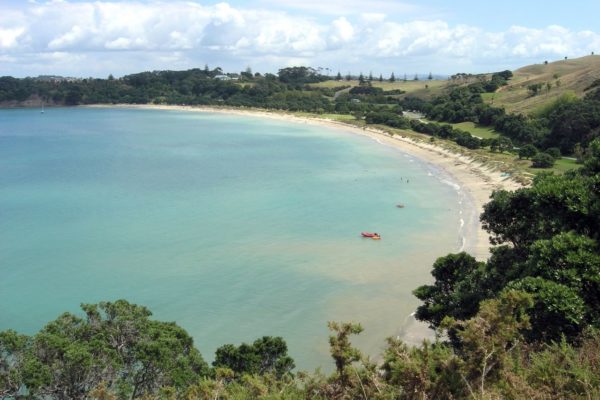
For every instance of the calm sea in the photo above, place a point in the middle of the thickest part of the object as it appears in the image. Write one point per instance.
(234, 227)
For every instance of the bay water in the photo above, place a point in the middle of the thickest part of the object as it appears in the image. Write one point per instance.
(233, 226)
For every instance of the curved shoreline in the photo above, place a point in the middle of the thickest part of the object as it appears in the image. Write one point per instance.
(477, 180)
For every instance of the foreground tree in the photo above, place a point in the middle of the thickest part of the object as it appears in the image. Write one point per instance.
(542, 160)
(267, 355)
(527, 151)
(117, 344)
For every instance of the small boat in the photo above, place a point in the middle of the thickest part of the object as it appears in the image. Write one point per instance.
(371, 235)
(400, 205)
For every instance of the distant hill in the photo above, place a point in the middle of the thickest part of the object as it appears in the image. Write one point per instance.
(574, 75)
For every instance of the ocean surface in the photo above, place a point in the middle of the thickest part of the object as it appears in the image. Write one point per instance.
(235, 227)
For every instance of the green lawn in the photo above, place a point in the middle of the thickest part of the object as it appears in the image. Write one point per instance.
(564, 164)
(334, 117)
(484, 132)
(560, 166)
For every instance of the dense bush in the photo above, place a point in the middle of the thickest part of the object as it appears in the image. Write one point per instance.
(542, 160)
(549, 249)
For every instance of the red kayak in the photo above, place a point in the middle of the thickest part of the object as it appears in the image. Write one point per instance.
(368, 234)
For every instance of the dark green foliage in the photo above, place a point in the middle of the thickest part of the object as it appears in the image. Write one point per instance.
(192, 87)
(366, 90)
(553, 255)
(460, 137)
(458, 106)
(487, 115)
(267, 355)
(387, 118)
(554, 152)
(527, 151)
(506, 74)
(455, 292)
(542, 160)
(467, 140)
(557, 309)
(572, 260)
(501, 144)
(521, 129)
(498, 79)
(297, 76)
(572, 123)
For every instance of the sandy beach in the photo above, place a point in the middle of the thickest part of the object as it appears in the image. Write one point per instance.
(475, 179)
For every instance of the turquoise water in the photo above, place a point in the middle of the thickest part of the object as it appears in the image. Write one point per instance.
(234, 227)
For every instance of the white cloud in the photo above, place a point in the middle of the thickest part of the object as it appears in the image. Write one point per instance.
(128, 36)
(342, 32)
(8, 37)
(346, 7)
(373, 18)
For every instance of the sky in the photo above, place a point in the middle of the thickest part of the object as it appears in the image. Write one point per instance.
(85, 38)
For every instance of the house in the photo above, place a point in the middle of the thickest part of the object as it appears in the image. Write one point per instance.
(222, 77)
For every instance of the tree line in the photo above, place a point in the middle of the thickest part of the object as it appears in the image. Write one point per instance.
(568, 124)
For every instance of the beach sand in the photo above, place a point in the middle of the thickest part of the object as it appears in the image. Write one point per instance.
(477, 180)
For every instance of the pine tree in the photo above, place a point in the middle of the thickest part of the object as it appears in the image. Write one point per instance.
(416, 78)
(370, 76)
(380, 78)
(392, 78)
(430, 77)
(405, 78)
(361, 78)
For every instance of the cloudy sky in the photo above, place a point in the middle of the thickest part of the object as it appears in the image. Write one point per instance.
(96, 38)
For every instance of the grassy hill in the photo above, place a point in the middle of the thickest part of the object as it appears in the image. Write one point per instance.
(564, 76)
(422, 88)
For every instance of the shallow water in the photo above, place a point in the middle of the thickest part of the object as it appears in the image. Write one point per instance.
(234, 227)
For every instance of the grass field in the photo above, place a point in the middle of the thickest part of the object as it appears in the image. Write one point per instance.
(483, 132)
(423, 87)
(565, 164)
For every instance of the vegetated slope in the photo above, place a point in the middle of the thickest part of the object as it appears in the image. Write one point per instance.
(555, 78)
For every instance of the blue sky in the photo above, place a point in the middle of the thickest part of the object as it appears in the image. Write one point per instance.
(96, 38)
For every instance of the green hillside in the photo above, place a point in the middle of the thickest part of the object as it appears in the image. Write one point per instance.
(563, 76)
